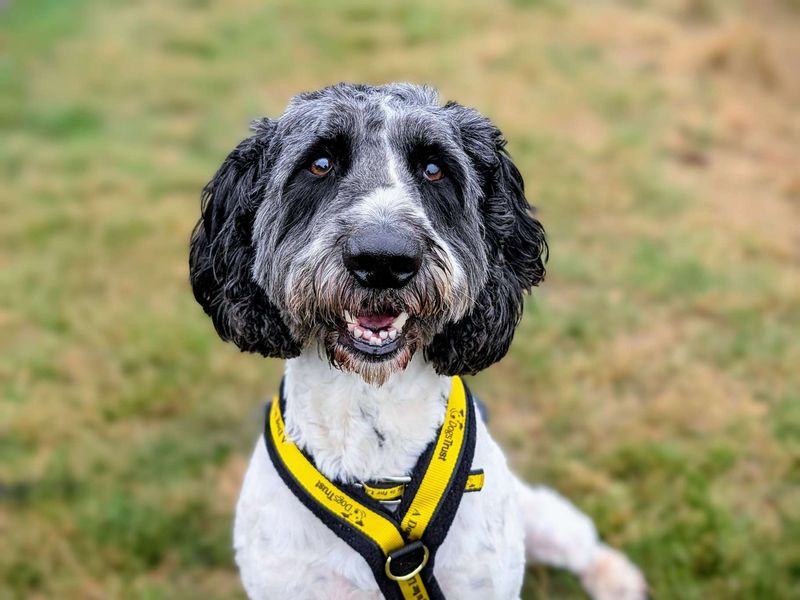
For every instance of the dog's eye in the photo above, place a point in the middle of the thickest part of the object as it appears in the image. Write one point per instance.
(433, 172)
(321, 166)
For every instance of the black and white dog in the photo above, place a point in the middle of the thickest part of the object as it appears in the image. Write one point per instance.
(382, 243)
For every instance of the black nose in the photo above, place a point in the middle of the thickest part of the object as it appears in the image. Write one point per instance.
(382, 257)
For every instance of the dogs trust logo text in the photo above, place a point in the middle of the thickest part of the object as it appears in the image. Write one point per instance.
(349, 511)
(456, 420)
(339, 499)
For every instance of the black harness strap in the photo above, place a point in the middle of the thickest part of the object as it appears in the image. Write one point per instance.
(354, 508)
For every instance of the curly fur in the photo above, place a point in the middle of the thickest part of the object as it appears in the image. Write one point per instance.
(222, 252)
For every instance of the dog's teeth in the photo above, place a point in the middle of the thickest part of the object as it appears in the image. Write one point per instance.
(367, 335)
(375, 341)
(392, 334)
(357, 332)
(400, 320)
(348, 317)
(384, 334)
(351, 327)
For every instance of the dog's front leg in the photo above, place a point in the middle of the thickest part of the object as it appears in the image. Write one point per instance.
(559, 535)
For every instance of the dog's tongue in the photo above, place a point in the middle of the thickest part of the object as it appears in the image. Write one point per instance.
(375, 322)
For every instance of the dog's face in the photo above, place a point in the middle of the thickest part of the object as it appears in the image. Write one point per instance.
(374, 222)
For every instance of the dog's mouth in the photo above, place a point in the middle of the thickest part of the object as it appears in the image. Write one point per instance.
(376, 335)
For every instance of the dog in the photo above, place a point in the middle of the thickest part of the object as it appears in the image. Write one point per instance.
(381, 242)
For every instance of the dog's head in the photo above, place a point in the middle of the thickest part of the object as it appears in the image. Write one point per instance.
(374, 222)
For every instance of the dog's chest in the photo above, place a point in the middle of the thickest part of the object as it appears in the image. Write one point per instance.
(283, 550)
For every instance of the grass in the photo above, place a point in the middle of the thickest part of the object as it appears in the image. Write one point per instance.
(653, 380)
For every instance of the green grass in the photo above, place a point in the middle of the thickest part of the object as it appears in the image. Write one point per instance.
(653, 380)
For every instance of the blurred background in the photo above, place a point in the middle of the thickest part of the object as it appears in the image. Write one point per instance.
(654, 379)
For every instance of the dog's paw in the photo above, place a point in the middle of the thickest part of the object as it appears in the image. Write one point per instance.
(611, 576)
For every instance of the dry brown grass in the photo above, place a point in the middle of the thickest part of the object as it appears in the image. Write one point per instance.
(654, 378)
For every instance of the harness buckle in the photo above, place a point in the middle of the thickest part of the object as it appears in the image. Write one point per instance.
(408, 560)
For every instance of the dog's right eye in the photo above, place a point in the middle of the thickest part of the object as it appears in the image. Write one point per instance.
(321, 166)
(432, 172)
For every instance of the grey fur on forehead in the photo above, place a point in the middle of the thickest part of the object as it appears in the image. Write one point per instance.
(407, 93)
(314, 112)
(360, 109)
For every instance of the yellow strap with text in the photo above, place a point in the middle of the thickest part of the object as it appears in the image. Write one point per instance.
(395, 492)
(370, 523)
(443, 463)
(437, 476)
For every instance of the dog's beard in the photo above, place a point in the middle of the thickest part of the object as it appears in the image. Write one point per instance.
(376, 370)
(378, 353)
(326, 305)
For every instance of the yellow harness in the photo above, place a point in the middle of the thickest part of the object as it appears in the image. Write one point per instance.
(388, 491)
(399, 547)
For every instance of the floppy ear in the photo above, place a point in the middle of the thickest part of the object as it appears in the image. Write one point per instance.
(221, 256)
(516, 249)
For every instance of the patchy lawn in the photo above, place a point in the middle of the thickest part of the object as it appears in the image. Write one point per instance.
(654, 379)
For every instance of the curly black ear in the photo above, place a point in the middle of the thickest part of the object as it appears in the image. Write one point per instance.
(221, 256)
(516, 250)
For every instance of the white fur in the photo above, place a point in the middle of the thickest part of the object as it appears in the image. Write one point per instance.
(284, 551)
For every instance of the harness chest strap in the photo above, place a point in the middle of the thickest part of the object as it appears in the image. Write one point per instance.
(399, 547)
(391, 492)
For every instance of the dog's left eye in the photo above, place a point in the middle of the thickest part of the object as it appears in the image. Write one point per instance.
(433, 172)
(321, 166)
